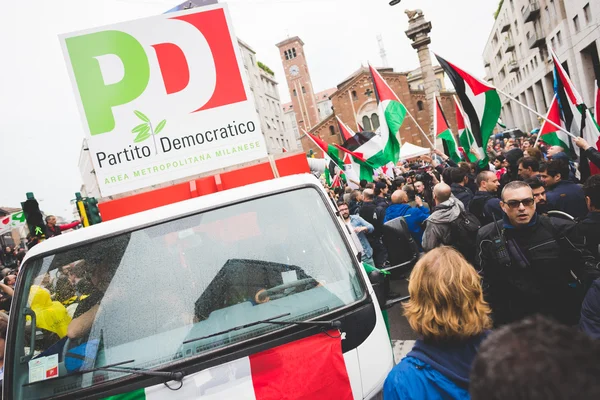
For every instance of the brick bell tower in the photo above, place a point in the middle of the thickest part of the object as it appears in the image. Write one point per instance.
(299, 83)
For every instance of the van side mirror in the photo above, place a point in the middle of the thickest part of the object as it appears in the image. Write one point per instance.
(381, 286)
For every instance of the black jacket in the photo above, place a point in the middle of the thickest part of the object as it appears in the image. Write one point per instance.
(589, 228)
(374, 215)
(462, 193)
(485, 206)
(594, 156)
(537, 279)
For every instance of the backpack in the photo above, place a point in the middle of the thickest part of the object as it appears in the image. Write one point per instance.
(464, 231)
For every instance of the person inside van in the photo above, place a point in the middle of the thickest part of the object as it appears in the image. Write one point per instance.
(447, 310)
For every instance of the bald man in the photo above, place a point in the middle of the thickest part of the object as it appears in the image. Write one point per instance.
(447, 209)
(414, 216)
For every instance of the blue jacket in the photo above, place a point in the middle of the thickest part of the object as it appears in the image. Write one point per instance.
(414, 216)
(590, 311)
(433, 371)
(568, 197)
(357, 221)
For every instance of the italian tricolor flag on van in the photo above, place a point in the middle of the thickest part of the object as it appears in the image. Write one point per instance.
(307, 369)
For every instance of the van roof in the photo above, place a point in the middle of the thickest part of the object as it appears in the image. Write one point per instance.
(172, 211)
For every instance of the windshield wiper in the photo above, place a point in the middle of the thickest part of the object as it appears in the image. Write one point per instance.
(116, 367)
(332, 324)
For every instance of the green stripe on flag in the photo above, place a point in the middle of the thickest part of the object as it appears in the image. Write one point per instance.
(450, 142)
(490, 117)
(395, 112)
(466, 141)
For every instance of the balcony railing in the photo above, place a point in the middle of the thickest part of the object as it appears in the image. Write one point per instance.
(535, 39)
(509, 46)
(512, 65)
(532, 11)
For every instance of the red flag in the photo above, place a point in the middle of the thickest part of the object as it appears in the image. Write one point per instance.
(310, 368)
(346, 132)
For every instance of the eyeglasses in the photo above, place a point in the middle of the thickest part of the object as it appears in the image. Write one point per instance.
(515, 203)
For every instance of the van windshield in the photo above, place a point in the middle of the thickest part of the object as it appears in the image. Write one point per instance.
(142, 296)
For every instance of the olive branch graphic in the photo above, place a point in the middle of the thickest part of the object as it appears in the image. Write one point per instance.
(145, 130)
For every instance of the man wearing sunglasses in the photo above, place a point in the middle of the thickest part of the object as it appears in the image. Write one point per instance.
(528, 262)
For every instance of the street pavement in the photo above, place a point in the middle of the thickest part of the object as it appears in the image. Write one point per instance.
(403, 337)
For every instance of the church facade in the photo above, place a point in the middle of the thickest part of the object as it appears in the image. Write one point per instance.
(354, 101)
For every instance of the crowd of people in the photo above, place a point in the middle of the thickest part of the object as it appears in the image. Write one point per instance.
(508, 288)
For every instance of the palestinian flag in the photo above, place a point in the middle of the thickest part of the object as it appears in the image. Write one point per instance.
(465, 137)
(309, 368)
(549, 133)
(576, 116)
(350, 170)
(385, 147)
(345, 130)
(333, 152)
(480, 102)
(442, 131)
(361, 167)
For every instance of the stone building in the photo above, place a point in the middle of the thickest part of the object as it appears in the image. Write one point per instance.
(354, 102)
(517, 57)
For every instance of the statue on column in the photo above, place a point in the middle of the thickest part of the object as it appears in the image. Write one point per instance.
(413, 14)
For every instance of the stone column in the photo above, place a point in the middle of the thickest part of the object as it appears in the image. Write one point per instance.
(418, 32)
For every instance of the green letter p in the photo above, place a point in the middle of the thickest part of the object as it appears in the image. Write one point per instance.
(97, 97)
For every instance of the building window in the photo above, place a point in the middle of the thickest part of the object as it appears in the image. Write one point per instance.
(375, 121)
(587, 13)
(420, 106)
(303, 90)
(366, 123)
(559, 38)
(576, 23)
(331, 130)
(278, 143)
(293, 53)
(354, 95)
(553, 43)
(295, 94)
(286, 54)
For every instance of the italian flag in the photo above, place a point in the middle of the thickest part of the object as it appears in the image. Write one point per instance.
(549, 133)
(443, 132)
(576, 116)
(353, 160)
(328, 149)
(310, 368)
(480, 102)
(465, 137)
(384, 147)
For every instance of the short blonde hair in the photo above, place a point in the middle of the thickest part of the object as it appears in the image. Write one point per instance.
(446, 297)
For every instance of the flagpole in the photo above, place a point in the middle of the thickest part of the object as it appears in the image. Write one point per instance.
(420, 129)
(536, 113)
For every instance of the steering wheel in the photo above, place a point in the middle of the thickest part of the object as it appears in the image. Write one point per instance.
(277, 292)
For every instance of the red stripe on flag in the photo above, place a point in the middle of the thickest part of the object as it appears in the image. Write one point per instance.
(460, 120)
(441, 125)
(383, 90)
(553, 116)
(566, 82)
(307, 369)
(319, 142)
(477, 86)
(360, 156)
(346, 134)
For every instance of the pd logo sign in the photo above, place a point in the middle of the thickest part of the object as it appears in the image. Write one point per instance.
(175, 79)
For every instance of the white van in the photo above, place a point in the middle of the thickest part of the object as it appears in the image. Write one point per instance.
(250, 293)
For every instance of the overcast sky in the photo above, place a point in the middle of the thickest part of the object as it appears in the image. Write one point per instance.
(40, 129)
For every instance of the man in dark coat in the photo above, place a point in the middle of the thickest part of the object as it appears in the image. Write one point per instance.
(563, 194)
(528, 262)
